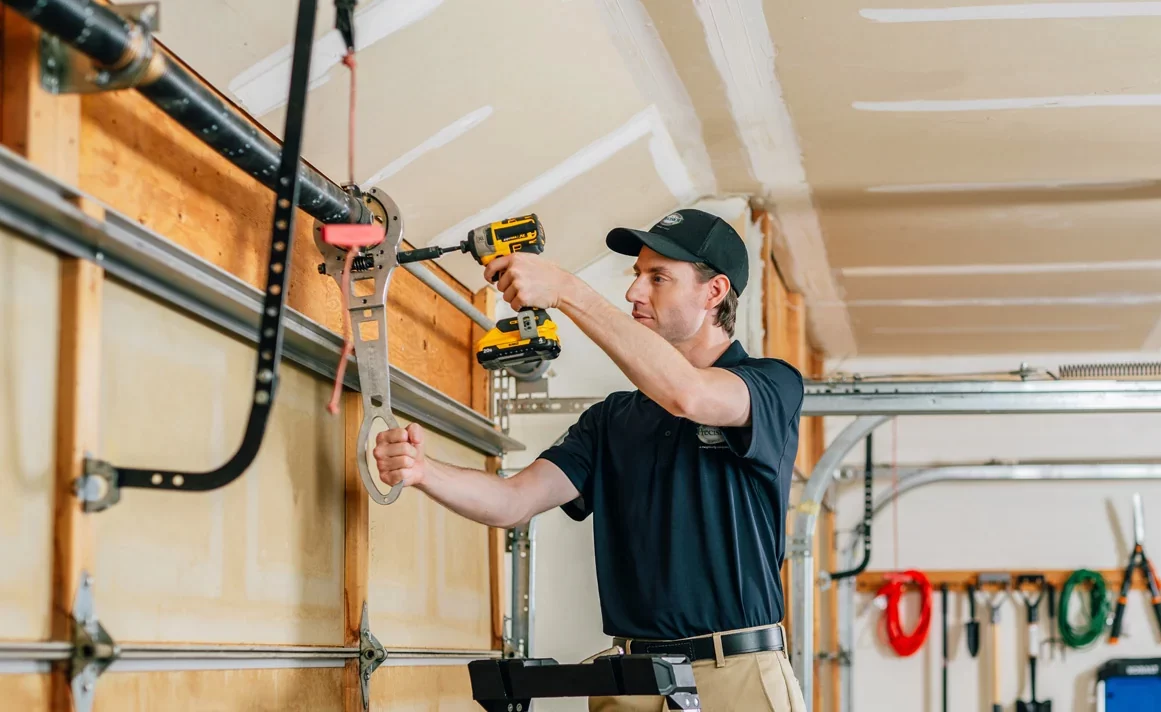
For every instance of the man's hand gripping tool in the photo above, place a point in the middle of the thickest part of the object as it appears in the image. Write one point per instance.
(371, 250)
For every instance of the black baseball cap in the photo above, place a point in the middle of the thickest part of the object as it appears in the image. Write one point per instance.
(690, 236)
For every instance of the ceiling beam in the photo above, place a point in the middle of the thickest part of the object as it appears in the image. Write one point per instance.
(741, 48)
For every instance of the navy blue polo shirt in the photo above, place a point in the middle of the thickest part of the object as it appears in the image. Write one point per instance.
(688, 520)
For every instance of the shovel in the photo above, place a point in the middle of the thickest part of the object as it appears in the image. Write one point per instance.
(995, 601)
(1033, 606)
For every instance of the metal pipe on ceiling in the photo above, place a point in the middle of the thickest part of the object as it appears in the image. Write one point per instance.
(113, 41)
(1017, 472)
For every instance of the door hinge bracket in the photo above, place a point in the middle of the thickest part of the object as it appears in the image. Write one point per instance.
(64, 70)
(371, 656)
(93, 648)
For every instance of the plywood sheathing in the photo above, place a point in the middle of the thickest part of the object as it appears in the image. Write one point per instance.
(29, 320)
(258, 561)
(275, 690)
(429, 581)
(27, 692)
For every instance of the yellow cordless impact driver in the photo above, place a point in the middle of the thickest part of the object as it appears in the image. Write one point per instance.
(528, 337)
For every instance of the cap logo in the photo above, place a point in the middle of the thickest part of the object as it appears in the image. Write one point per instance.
(672, 219)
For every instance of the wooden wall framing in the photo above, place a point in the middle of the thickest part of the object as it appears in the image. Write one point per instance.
(786, 338)
(124, 152)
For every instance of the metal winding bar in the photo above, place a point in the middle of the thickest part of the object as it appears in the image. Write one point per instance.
(371, 353)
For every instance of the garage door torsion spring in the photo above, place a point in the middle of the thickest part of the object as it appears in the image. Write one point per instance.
(1111, 370)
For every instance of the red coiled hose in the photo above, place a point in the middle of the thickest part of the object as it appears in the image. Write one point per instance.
(905, 644)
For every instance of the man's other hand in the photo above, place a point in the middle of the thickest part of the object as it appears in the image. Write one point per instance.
(399, 456)
(527, 280)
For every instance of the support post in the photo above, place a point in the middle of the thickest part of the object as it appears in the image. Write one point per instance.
(356, 548)
(45, 130)
(801, 549)
(521, 539)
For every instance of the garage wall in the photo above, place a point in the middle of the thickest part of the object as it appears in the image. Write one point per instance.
(263, 560)
(995, 526)
(260, 561)
(29, 288)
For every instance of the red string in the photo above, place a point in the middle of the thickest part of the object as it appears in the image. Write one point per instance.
(349, 61)
(904, 643)
(348, 343)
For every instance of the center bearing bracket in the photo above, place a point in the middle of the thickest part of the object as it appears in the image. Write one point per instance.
(368, 310)
(64, 70)
(371, 656)
(93, 648)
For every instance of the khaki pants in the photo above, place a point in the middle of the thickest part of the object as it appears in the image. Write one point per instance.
(755, 682)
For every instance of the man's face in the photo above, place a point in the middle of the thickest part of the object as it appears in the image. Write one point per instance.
(668, 297)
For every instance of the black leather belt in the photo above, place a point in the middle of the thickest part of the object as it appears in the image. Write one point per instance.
(741, 643)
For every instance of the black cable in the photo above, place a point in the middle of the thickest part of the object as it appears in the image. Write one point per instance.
(868, 514)
(271, 326)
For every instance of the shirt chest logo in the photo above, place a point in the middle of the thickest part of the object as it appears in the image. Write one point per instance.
(710, 435)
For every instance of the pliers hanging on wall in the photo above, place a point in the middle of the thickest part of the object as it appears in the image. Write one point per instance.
(1137, 560)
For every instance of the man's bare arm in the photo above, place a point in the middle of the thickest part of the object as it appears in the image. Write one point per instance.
(474, 494)
(710, 396)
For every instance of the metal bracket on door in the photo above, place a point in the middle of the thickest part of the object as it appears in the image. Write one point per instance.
(371, 656)
(368, 312)
(93, 648)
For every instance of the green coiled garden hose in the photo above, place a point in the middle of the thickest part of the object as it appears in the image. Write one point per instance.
(1099, 610)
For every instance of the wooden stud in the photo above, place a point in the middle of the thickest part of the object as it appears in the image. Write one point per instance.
(497, 543)
(481, 378)
(78, 408)
(356, 546)
(45, 129)
(42, 127)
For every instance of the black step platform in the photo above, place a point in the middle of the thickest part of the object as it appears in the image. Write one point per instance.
(511, 685)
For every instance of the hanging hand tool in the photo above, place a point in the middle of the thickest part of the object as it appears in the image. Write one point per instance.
(530, 336)
(995, 602)
(1033, 607)
(1098, 608)
(1053, 641)
(943, 604)
(971, 629)
(1137, 560)
(100, 486)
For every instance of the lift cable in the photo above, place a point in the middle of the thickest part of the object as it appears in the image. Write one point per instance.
(102, 475)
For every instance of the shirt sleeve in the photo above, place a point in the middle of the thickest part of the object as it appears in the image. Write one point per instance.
(576, 454)
(776, 395)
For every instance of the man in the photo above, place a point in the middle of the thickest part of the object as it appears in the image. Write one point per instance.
(687, 478)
